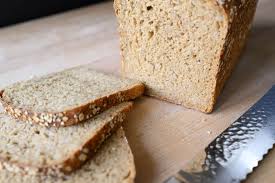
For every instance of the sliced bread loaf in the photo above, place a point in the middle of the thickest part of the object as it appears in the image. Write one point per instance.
(183, 50)
(33, 149)
(68, 97)
(113, 163)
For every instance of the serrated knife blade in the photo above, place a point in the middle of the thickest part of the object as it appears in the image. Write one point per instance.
(236, 151)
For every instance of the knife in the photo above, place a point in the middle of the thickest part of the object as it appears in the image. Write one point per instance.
(236, 151)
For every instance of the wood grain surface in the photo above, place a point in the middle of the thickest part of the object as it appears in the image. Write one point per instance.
(163, 136)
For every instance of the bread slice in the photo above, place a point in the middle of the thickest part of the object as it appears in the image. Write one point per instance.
(33, 149)
(68, 97)
(113, 163)
(183, 51)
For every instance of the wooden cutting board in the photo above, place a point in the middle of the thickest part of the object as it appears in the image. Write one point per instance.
(163, 136)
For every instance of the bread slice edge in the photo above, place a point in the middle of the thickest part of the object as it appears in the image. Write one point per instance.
(127, 175)
(76, 159)
(75, 115)
(132, 173)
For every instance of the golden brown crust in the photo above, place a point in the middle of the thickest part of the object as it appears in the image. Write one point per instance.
(77, 158)
(240, 15)
(131, 176)
(75, 115)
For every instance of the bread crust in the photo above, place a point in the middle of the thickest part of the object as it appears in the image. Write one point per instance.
(239, 15)
(130, 178)
(77, 158)
(75, 115)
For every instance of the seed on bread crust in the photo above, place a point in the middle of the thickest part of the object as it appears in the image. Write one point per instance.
(82, 157)
(92, 106)
(18, 112)
(85, 150)
(68, 168)
(50, 120)
(36, 119)
(81, 117)
(12, 111)
(65, 118)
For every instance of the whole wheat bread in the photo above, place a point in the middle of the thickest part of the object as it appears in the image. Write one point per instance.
(33, 149)
(183, 50)
(113, 163)
(68, 97)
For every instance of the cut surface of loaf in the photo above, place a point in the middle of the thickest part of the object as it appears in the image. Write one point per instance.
(33, 149)
(68, 97)
(113, 163)
(183, 50)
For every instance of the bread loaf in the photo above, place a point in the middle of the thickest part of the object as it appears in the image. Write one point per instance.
(68, 97)
(113, 163)
(183, 50)
(33, 149)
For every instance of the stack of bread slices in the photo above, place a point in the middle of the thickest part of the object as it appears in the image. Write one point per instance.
(66, 127)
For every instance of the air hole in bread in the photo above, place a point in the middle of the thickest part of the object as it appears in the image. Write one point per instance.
(15, 143)
(151, 34)
(141, 22)
(15, 133)
(135, 21)
(149, 8)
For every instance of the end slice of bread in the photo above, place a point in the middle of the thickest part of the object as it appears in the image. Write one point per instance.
(113, 163)
(33, 149)
(183, 50)
(68, 97)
